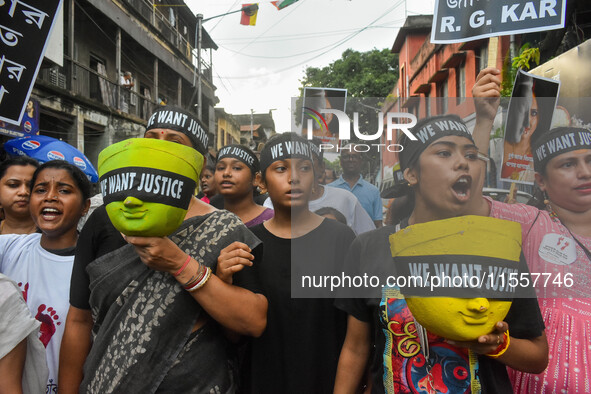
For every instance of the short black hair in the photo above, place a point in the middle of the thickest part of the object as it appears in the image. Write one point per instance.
(76, 173)
(17, 161)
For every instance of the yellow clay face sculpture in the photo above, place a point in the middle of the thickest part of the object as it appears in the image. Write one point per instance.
(458, 319)
(452, 245)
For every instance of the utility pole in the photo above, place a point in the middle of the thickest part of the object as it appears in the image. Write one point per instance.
(198, 41)
(199, 22)
(251, 125)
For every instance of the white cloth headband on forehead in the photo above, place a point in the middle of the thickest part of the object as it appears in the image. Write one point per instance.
(242, 154)
(177, 119)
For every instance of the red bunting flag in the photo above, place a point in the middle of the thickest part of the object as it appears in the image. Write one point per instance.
(249, 14)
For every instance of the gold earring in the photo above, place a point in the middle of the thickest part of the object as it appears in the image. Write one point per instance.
(549, 208)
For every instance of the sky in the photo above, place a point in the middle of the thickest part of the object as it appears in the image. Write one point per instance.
(260, 67)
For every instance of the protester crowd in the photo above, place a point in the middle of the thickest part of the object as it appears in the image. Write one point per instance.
(211, 308)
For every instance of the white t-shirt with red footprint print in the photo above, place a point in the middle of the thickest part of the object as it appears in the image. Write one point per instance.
(44, 279)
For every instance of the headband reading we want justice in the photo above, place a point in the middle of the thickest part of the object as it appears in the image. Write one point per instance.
(428, 131)
(149, 185)
(242, 154)
(177, 119)
(558, 141)
(285, 146)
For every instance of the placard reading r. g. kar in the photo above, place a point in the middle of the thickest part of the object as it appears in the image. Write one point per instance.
(465, 20)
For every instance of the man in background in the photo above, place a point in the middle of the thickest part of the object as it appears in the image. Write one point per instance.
(351, 180)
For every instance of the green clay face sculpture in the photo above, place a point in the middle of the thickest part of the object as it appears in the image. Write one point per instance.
(147, 184)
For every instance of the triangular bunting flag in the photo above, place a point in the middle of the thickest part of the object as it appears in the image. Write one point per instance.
(281, 4)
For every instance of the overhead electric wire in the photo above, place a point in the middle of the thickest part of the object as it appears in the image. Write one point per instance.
(220, 19)
(282, 56)
(299, 36)
(351, 36)
(296, 6)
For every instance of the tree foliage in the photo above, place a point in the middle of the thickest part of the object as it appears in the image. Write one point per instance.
(526, 53)
(521, 61)
(363, 74)
(372, 74)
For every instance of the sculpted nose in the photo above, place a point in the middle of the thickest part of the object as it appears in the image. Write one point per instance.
(132, 202)
(478, 305)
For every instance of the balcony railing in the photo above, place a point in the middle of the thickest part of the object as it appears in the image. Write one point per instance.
(92, 84)
(163, 25)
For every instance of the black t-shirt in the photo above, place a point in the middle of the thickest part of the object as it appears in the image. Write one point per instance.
(299, 350)
(217, 201)
(397, 359)
(99, 237)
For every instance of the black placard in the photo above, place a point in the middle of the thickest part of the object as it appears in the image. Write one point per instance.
(465, 20)
(24, 33)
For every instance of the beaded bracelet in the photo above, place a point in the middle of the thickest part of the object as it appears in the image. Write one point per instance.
(183, 266)
(502, 347)
(202, 281)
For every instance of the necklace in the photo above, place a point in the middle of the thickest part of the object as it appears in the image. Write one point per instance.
(556, 219)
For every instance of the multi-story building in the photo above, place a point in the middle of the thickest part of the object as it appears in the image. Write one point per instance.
(228, 129)
(256, 129)
(119, 60)
(437, 78)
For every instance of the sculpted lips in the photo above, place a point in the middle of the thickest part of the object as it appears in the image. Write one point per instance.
(474, 319)
(134, 214)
